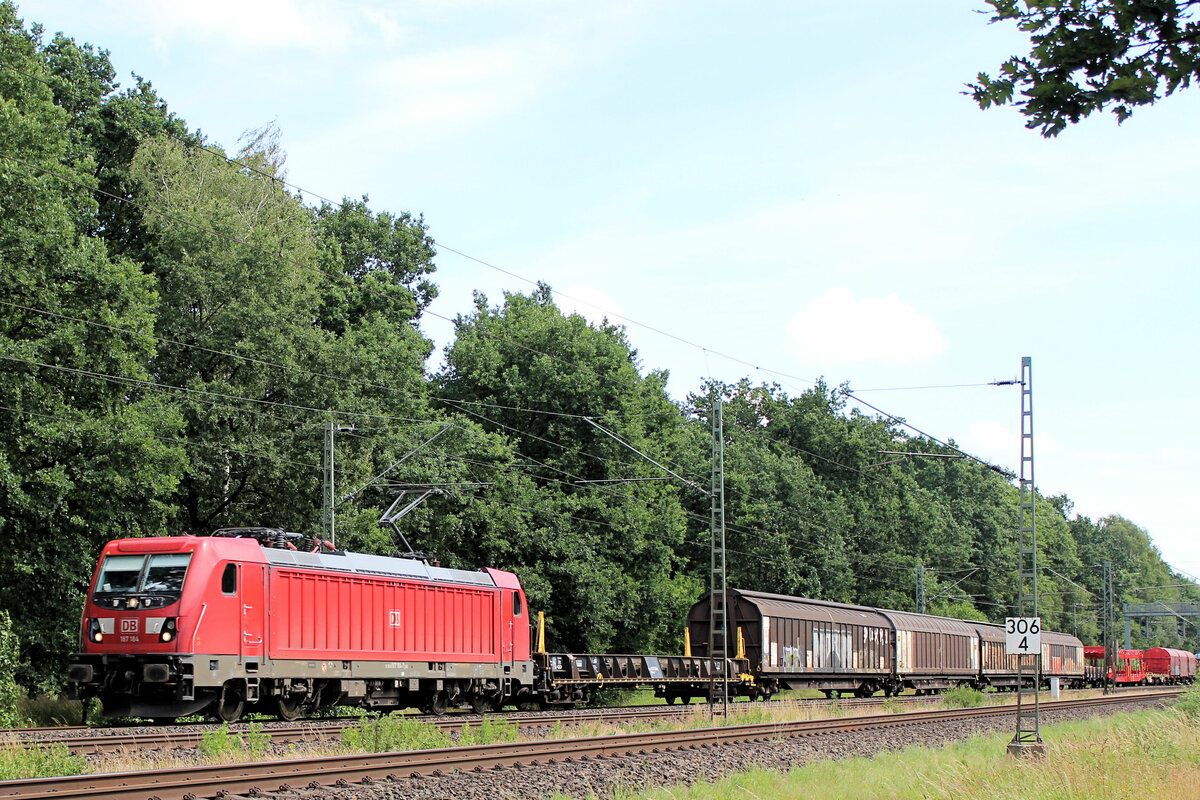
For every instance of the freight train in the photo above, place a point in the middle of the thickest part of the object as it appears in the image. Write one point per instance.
(1155, 666)
(242, 619)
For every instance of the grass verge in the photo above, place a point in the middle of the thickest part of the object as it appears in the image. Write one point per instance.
(1128, 755)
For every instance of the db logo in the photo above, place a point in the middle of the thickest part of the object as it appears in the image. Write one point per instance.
(129, 625)
(394, 618)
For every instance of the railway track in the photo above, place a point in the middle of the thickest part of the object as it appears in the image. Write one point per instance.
(95, 741)
(194, 782)
(120, 739)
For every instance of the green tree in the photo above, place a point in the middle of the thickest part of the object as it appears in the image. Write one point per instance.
(784, 525)
(274, 319)
(591, 527)
(90, 456)
(1090, 54)
(9, 656)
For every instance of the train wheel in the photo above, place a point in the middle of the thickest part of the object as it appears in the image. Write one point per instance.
(669, 699)
(435, 704)
(287, 709)
(482, 704)
(685, 699)
(231, 704)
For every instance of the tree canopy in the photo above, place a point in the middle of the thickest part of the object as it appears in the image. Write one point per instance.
(1088, 55)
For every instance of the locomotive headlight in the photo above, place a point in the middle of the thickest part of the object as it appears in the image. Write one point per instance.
(94, 632)
(168, 630)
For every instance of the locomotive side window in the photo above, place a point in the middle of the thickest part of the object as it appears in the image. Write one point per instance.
(516, 604)
(229, 579)
(120, 574)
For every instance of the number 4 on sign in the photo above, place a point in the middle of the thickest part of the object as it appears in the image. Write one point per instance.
(1022, 636)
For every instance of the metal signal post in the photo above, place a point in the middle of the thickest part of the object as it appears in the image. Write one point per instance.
(1028, 738)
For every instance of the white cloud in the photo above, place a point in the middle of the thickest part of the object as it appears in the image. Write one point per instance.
(1001, 444)
(591, 303)
(993, 442)
(835, 328)
(391, 30)
(425, 99)
(289, 24)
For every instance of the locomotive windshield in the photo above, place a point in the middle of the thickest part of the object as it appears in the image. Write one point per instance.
(160, 576)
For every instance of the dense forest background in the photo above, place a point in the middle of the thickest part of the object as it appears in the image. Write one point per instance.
(178, 326)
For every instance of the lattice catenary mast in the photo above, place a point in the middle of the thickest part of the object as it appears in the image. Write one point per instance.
(1028, 739)
(718, 630)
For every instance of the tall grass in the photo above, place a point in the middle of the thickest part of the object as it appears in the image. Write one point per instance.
(221, 744)
(39, 761)
(1189, 703)
(490, 730)
(1138, 755)
(52, 710)
(391, 733)
(962, 697)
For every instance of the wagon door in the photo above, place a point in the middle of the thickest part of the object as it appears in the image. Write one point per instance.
(253, 611)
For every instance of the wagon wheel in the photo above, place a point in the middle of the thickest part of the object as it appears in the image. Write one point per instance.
(482, 704)
(685, 699)
(231, 704)
(669, 699)
(287, 708)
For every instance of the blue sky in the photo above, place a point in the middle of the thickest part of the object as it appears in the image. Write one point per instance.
(798, 185)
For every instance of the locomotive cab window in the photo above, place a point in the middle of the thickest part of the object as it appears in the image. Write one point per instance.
(165, 573)
(229, 579)
(516, 604)
(156, 579)
(120, 574)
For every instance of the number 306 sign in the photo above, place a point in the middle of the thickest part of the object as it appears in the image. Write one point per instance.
(1022, 636)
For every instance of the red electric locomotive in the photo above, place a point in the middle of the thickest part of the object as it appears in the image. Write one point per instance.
(177, 625)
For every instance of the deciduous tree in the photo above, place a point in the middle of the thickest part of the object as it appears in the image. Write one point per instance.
(1088, 55)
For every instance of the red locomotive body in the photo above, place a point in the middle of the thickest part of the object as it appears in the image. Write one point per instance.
(1165, 665)
(177, 624)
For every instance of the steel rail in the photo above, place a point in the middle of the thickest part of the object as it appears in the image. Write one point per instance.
(314, 731)
(456, 719)
(192, 782)
(100, 741)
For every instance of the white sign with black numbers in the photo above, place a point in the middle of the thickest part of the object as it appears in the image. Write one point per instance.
(1022, 636)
